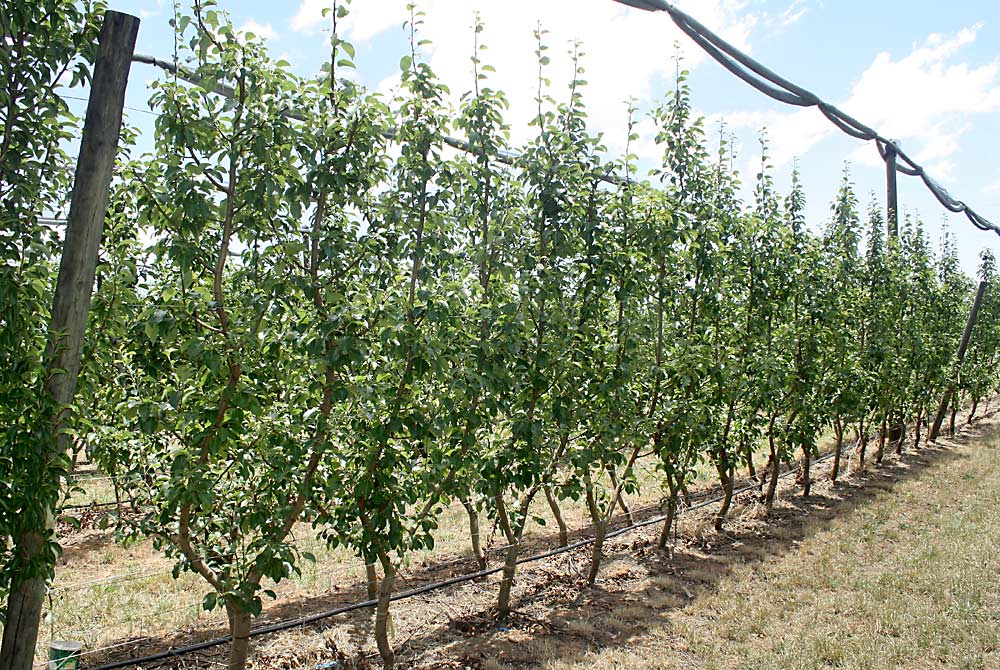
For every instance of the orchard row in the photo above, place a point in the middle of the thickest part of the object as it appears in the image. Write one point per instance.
(311, 308)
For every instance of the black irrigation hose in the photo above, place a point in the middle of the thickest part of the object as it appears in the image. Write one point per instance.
(779, 88)
(469, 577)
(320, 616)
(743, 66)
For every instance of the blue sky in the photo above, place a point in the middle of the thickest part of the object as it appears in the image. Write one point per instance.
(921, 71)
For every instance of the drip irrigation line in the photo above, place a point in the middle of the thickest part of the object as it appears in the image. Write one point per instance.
(455, 506)
(453, 581)
(774, 86)
(99, 478)
(461, 579)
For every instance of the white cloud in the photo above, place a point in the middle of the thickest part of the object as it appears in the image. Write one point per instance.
(309, 16)
(366, 19)
(627, 51)
(924, 100)
(264, 31)
(155, 10)
(794, 13)
(908, 97)
(788, 132)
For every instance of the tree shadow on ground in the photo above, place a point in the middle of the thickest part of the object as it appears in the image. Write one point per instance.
(557, 615)
(642, 585)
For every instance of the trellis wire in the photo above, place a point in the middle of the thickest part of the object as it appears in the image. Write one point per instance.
(453, 581)
(303, 621)
(454, 506)
(782, 90)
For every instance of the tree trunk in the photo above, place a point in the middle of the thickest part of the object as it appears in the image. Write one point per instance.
(507, 581)
(71, 305)
(806, 474)
(372, 580)
(668, 523)
(918, 425)
(620, 497)
(626, 510)
(862, 445)
(600, 528)
(597, 552)
(972, 410)
(838, 432)
(477, 547)
(775, 465)
(239, 628)
(382, 620)
(557, 515)
(513, 536)
(726, 476)
(24, 612)
(900, 434)
(951, 421)
(883, 434)
(747, 452)
(772, 485)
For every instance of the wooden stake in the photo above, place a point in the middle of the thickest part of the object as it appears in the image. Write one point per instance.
(963, 345)
(891, 193)
(71, 305)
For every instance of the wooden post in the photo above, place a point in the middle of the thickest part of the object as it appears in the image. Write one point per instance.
(71, 304)
(891, 193)
(963, 345)
(895, 432)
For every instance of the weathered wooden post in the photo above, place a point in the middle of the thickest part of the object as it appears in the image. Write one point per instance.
(895, 432)
(891, 192)
(962, 347)
(71, 304)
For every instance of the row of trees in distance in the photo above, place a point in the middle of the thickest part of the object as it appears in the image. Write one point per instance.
(340, 320)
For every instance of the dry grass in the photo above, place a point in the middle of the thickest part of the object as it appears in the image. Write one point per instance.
(803, 589)
(105, 593)
(910, 578)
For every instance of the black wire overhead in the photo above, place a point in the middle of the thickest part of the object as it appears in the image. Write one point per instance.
(782, 90)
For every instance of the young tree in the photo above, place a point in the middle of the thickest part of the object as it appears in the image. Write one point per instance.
(683, 248)
(234, 382)
(559, 171)
(808, 320)
(610, 351)
(953, 302)
(486, 204)
(841, 383)
(774, 364)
